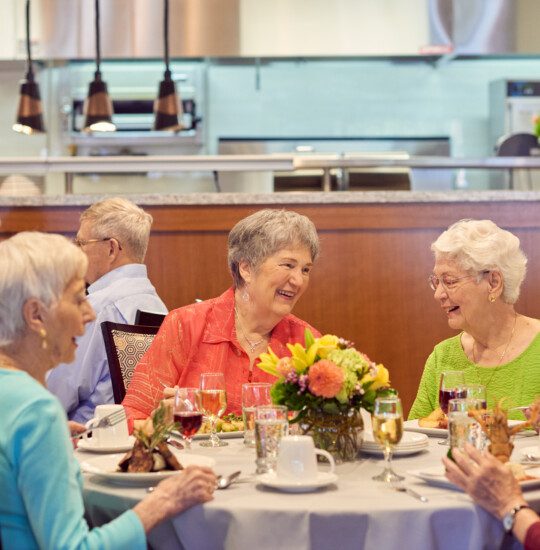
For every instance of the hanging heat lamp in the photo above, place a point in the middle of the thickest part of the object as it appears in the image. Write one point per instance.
(29, 114)
(167, 107)
(98, 109)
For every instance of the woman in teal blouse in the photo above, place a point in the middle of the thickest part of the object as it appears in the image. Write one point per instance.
(43, 309)
(478, 272)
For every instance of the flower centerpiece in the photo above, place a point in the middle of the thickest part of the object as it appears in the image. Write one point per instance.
(327, 381)
(536, 126)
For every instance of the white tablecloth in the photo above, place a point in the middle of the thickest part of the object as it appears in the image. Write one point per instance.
(353, 514)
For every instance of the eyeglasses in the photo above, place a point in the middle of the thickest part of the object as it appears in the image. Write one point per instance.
(83, 242)
(447, 282)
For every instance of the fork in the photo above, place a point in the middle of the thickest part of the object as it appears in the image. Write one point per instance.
(403, 489)
(105, 422)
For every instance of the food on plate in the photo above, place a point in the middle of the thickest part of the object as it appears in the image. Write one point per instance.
(437, 419)
(519, 471)
(494, 424)
(150, 452)
(229, 423)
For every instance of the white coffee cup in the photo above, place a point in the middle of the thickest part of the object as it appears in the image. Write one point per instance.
(297, 458)
(109, 436)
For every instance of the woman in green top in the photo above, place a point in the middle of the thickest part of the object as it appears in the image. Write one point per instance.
(478, 272)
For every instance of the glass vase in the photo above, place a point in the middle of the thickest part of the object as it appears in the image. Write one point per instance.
(339, 434)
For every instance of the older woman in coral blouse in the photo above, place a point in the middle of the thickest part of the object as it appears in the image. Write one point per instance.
(271, 254)
(478, 272)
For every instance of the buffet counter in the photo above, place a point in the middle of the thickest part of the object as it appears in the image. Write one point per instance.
(370, 282)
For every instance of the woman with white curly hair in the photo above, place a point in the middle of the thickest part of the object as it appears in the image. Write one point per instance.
(478, 272)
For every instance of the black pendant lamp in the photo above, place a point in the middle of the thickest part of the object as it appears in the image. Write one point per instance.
(167, 107)
(30, 114)
(98, 109)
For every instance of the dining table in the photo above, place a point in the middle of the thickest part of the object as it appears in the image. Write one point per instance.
(355, 512)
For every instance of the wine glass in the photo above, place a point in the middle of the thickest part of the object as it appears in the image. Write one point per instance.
(387, 431)
(213, 402)
(476, 391)
(451, 386)
(186, 413)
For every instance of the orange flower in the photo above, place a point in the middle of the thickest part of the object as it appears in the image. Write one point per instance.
(325, 378)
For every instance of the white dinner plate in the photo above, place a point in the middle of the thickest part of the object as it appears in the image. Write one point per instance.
(410, 443)
(221, 435)
(412, 426)
(105, 468)
(291, 486)
(435, 476)
(89, 445)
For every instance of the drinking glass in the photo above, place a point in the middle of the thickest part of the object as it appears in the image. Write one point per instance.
(271, 425)
(253, 395)
(387, 431)
(476, 391)
(463, 428)
(186, 413)
(451, 386)
(213, 402)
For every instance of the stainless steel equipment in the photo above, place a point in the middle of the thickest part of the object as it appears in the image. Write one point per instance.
(225, 28)
(384, 178)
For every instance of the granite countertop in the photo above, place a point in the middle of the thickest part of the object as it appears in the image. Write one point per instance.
(216, 199)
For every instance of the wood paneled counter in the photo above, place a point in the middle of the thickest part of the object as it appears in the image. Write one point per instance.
(370, 283)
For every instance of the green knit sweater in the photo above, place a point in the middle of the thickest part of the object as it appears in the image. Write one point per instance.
(518, 380)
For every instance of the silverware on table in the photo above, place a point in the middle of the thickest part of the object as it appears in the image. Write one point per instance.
(109, 420)
(224, 481)
(402, 488)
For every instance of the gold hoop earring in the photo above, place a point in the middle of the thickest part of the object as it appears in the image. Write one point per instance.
(43, 334)
(492, 298)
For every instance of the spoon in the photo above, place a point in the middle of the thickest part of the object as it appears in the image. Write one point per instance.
(224, 481)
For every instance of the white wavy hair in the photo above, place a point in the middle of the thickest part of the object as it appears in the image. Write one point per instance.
(34, 265)
(123, 220)
(480, 245)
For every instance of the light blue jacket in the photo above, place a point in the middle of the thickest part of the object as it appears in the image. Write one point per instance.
(86, 382)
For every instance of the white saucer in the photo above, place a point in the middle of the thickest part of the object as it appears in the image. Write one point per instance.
(534, 452)
(88, 445)
(291, 486)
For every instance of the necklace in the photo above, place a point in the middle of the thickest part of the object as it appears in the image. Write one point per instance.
(501, 356)
(252, 345)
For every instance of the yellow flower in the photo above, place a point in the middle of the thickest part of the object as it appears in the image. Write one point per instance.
(382, 378)
(269, 362)
(325, 344)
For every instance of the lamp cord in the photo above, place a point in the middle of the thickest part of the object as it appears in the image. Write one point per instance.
(98, 46)
(166, 35)
(30, 71)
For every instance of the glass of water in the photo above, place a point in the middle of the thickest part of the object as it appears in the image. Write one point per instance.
(271, 425)
(462, 427)
(253, 395)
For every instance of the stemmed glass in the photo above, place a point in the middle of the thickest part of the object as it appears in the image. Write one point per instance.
(451, 386)
(387, 431)
(213, 402)
(476, 391)
(186, 413)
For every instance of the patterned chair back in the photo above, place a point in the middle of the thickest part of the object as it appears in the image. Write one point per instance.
(125, 346)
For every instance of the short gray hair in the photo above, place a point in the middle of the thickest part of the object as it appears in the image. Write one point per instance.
(123, 220)
(34, 265)
(480, 245)
(264, 233)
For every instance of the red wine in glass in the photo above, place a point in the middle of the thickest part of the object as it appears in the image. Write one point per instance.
(190, 422)
(446, 394)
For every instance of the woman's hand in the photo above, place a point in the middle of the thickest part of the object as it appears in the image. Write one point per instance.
(195, 485)
(75, 428)
(485, 479)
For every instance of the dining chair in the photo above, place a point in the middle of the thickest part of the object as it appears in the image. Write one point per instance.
(125, 346)
(149, 318)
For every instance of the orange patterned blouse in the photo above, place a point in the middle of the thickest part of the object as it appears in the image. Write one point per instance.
(202, 338)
